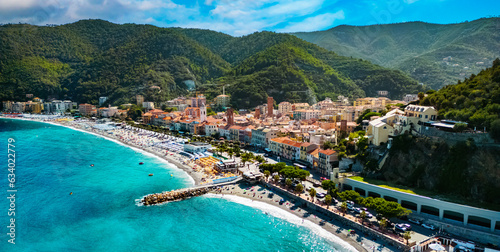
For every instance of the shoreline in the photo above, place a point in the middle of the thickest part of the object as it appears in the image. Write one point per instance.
(289, 216)
(358, 241)
(196, 179)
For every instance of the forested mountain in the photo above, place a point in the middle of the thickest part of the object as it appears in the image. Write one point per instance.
(91, 58)
(434, 54)
(475, 100)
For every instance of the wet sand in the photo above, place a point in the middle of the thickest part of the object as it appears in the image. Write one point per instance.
(359, 241)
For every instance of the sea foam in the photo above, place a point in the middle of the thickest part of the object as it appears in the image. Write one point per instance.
(287, 216)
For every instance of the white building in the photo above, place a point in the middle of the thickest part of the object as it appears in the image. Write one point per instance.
(109, 112)
(410, 97)
(261, 137)
(303, 114)
(148, 105)
(196, 147)
(210, 128)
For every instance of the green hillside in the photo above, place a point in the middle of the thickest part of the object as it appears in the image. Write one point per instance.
(91, 58)
(475, 100)
(418, 48)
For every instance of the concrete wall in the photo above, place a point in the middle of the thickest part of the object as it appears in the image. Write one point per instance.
(428, 204)
(452, 137)
(462, 231)
(345, 162)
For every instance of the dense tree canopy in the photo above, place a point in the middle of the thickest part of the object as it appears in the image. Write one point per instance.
(476, 100)
(91, 58)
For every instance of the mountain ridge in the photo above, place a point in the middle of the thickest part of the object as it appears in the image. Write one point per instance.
(418, 48)
(92, 58)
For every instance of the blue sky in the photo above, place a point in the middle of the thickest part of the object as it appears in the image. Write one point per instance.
(241, 17)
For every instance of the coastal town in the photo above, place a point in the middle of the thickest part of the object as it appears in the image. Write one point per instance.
(334, 141)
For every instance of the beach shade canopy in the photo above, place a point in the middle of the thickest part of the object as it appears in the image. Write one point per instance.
(437, 247)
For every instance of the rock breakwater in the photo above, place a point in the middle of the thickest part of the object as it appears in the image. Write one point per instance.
(158, 198)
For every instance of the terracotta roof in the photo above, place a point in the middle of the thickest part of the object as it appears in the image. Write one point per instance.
(305, 144)
(327, 152)
(314, 152)
(235, 127)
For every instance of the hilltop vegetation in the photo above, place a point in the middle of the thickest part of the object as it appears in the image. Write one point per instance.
(476, 100)
(434, 54)
(91, 58)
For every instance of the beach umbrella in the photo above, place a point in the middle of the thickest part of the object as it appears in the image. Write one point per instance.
(437, 247)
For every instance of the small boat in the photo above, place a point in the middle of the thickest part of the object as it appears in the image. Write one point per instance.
(151, 174)
(71, 193)
(92, 165)
(141, 163)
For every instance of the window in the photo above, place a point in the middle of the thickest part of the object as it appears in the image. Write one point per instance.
(426, 116)
(419, 116)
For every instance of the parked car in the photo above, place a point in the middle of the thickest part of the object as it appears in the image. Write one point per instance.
(400, 228)
(357, 210)
(368, 214)
(320, 195)
(414, 221)
(408, 226)
(350, 207)
(429, 226)
(349, 203)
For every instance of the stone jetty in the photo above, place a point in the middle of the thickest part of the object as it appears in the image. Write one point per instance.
(158, 198)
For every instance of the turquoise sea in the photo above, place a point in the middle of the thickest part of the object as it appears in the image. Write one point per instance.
(101, 215)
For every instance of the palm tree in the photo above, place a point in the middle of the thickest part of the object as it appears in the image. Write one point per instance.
(245, 158)
(230, 153)
(407, 236)
(276, 178)
(260, 159)
(299, 188)
(382, 223)
(267, 174)
(362, 215)
(312, 193)
(343, 207)
(288, 182)
(328, 200)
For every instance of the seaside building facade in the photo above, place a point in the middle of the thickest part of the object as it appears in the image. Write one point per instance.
(261, 137)
(327, 159)
(196, 147)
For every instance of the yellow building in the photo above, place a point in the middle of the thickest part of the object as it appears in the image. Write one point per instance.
(33, 107)
(397, 122)
(424, 113)
(371, 101)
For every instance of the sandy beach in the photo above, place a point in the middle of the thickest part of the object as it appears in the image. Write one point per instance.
(257, 192)
(252, 192)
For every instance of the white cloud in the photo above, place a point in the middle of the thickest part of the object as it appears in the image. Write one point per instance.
(314, 23)
(235, 17)
(296, 7)
(17, 4)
